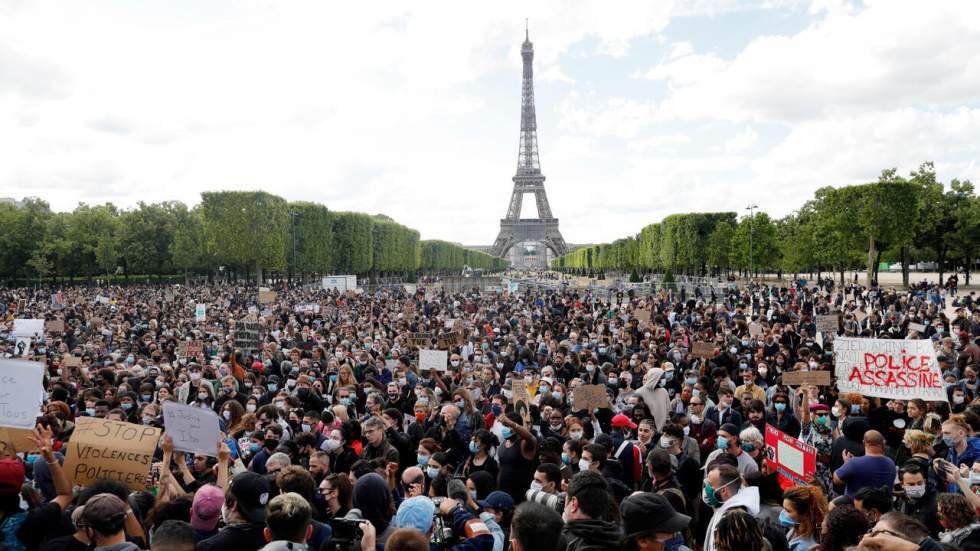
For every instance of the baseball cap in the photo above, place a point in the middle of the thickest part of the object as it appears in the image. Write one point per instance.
(11, 476)
(251, 491)
(497, 500)
(415, 512)
(206, 510)
(619, 421)
(104, 511)
(730, 428)
(648, 512)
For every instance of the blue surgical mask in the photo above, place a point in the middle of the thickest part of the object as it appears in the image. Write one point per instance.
(613, 380)
(785, 520)
(556, 394)
(747, 447)
(691, 381)
(721, 443)
(474, 447)
(345, 401)
(506, 432)
(669, 375)
(254, 447)
(126, 405)
(461, 404)
(90, 412)
(565, 459)
(780, 407)
(272, 387)
(422, 459)
(431, 472)
(147, 397)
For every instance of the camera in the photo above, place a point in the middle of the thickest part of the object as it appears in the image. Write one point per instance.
(346, 535)
(442, 530)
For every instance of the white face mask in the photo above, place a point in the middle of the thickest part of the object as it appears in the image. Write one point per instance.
(225, 514)
(536, 486)
(226, 414)
(575, 435)
(583, 465)
(202, 395)
(250, 408)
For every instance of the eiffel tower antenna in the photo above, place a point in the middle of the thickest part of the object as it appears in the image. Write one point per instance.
(528, 179)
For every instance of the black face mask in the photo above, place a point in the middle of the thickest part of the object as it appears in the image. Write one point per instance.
(271, 443)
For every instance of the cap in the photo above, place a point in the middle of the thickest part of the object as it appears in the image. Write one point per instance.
(11, 476)
(416, 512)
(500, 501)
(104, 510)
(251, 491)
(730, 428)
(819, 407)
(206, 510)
(619, 421)
(647, 512)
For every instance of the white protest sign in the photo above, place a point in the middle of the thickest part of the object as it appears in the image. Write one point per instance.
(193, 429)
(21, 386)
(888, 368)
(28, 328)
(200, 313)
(433, 359)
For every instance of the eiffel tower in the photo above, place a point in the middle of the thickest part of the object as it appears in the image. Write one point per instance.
(528, 179)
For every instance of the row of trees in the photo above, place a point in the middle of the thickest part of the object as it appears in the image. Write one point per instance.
(893, 220)
(236, 231)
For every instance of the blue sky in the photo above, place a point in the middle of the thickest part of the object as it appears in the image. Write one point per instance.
(644, 108)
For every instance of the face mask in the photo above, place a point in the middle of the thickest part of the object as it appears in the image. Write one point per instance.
(422, 459)
(583, 465)
(666, 442)
(668, 375)
(696, 392)
(225, 514)
(721, 443)
(743, 365)
(250, 408)
(823, 420)
(780, 407)
(147, 419)
(950, 441)
(271, 443)
(565, 459)
(915, 492)
(345, 401)
(280, 404)
(506, 432)
(613, 381)
(710, 496)
(431, 472)
(691, 381)
(763, 371)
(508, 394)
(785, 520)
(254, 447)
(460, 404)
(536, 486)
(835, 411)
(733, 350)
(272, 387)
(248, 385)
(474, 447)
(226, 414)
(202, 396)
(958, 399)
(575, 435)
(746, 447)
(855, 408)
(974, 478)
(454, 363)
(147, 397)
(90, 412)
(126, 405)
(687, 430)
(195, 377)
(330, 445)
(590, 368)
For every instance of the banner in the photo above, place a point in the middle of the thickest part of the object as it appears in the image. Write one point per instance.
(193, 429)
(888, 368)
(21, 388)
(793, 461)
(100, 449)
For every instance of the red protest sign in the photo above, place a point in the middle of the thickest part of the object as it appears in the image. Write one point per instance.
(794, 461)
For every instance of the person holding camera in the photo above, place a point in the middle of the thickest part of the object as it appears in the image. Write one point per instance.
(470, 533)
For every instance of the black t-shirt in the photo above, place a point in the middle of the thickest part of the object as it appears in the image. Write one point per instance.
(64, 543)
(44, 522)
(240, 537)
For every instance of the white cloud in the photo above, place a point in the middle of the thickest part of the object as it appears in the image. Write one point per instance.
(742, 141)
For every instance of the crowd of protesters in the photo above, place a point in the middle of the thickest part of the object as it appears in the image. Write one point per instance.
(334, 439)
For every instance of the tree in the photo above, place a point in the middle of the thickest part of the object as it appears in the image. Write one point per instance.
(720, 246)
(246, 228)
(146, 235)
(189, 250)
(312, 226)
(754, 245)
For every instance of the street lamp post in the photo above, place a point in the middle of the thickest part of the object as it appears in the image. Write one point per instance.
(292, 225)
(751, 209)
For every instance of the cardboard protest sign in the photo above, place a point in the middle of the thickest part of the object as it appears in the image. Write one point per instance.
(589, 397)
(13, 441)
(643, 316)
(887, 368)
(521, 398)
(193, 429)
(827, 324)
(918, 328)
(797, 378)
(755, 329)
(248, 335)
(419, 339)
(200, 313)
(54, 326)
(433, 359)
(267, 297)
(189, 349)
(21, 388)
(703, 349)
(100, 449)
(28, 328)
(71, 361)
(793, 461)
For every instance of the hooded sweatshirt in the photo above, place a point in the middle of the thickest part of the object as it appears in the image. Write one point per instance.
(747, 497)
(655, 397)
(592, 535)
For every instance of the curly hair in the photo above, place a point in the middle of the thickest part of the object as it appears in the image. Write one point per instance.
(845, 527)
(956, 511)
(810, 505)
(919, 441)
(737, 530)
